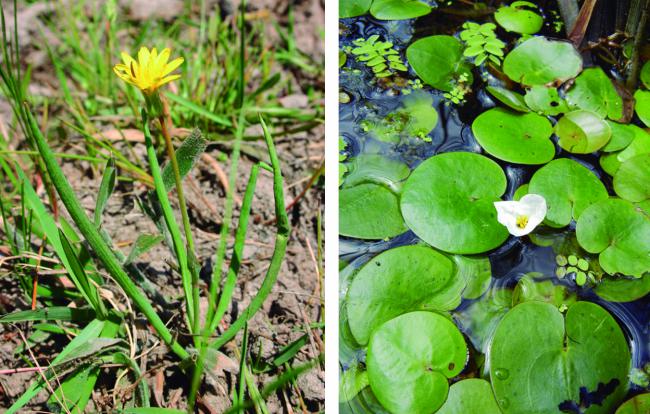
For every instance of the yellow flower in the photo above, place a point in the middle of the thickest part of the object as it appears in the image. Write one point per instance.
(151, 70)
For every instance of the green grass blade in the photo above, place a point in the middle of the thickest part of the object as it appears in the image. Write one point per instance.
(53, 313)
(197, 109)
(143, 244)
(105, 190)
(281, 239)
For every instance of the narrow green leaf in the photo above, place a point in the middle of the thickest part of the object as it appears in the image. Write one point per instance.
(143, 244)
(55, 313)
(105, 190)
(198, 109)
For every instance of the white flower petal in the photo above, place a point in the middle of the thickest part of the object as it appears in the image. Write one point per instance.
(531, 206)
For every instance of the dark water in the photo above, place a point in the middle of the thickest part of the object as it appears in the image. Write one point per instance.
(517, 256)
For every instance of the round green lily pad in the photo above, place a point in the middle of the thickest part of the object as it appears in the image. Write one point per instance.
(623, 289)
(539, 61)
(640, 145)
(619, 232)
(369, 211)
(438, 61)
(514, 137)
(632, 179)
(622, 136)
(582, 132)
(353, 8)
(545, 101)
(399, 280)
(512, 99)
(642, 106)
(593, 91)
(637, 405)
(399, 9)
(568, 188)
(540, 359)
(410, 359)
(610, 163)
(471, 395)
(519, 17)
(448, 202)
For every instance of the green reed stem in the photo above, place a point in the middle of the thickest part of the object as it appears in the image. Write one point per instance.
(169, 217)
(95, 240)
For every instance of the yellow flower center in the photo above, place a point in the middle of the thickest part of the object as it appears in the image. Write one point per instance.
(522, 221)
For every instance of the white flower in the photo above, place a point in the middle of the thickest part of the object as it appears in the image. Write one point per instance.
(521, 217)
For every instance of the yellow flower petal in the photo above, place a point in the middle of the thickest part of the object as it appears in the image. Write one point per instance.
(168, 79)
(172, 66)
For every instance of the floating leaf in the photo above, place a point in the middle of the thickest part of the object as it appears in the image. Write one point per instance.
(632, 179)
(415, 118)
(353, 8)
(512, 99)
(539, 61)
(513, 137)
(637, 405)
(619, 233)
(582, 132)
(642, 106)
(399, 280)
(410, 359)
(480, 319)
(438, 61)
(593, 91)
(610, 163)
(377, 169)
(519, 17)
(545, 101)
(623, 289)
(369, 211)
(448, 202)
(399, 9)
(352, 382)
(622, 136)
(568, 188)
(471, 395)
(586, 348)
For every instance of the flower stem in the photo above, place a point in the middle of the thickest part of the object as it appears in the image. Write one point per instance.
(165, 126)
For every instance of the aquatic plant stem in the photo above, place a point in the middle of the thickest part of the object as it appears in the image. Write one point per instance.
(95, 240)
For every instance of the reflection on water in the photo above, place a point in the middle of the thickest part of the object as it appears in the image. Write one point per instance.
(511, 261)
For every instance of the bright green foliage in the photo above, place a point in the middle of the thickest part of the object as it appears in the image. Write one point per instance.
(353, 8)
(352, 382)
(511, 99)
(519, 17)
(568, 187)
(640, 404)
(448, 202)
(642, 106)
(623, 289)
(593, 91)
(622, 136)
(583, 348)
(617, 231)
(632, 179)
(515, 137)
(369, 211)
(481, 43)
(410, 360)
(400, 280)
(545, 101)
(379, 56)
(457, 94)
(539, 61)
(582, 132)
(471, 395)
(439, 62)
(399, 9)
